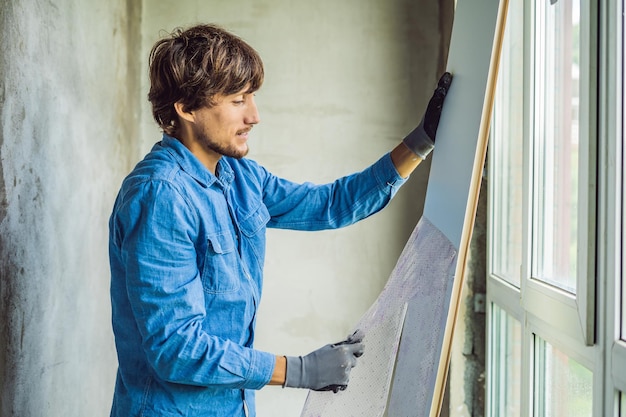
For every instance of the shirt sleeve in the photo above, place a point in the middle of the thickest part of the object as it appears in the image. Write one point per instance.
(166, 296)
(343, 202)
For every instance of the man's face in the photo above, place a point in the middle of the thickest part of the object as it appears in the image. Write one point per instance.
(223, 128)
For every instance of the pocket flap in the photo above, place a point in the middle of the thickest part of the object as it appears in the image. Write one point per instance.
(221, 242)
(251, 224)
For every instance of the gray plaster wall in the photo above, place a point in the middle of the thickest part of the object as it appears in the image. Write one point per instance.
(69, 106)
(345, 81)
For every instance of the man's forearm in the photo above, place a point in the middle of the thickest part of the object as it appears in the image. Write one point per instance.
(404, 160)
(280, 371)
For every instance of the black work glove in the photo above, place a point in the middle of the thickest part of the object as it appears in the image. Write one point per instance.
(422, 139)
(326, 369)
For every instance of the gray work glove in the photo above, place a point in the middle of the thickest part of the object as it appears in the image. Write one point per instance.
(422, 139)
(326, 369)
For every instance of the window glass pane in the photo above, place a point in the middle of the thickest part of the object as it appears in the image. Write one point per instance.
(555, 161)
(622, 405)
(505, 362)
(507, 147)
(563, 387)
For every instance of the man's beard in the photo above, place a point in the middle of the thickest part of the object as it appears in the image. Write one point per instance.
(225, 150)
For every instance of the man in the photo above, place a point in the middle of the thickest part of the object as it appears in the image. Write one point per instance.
(187, 238)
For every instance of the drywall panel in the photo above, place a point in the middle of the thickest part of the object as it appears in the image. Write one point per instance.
(410, 280)
(452, 196)
(454, 156)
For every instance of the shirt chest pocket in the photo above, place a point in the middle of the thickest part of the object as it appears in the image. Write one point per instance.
(254, 222)
(252, 228)
(221, 272)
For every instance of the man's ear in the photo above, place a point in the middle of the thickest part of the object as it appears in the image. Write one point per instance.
(184, 114)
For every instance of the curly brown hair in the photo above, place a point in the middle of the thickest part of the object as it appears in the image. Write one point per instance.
(191, 66)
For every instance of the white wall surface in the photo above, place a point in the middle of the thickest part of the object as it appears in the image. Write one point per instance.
(68, 107)
(344, 82)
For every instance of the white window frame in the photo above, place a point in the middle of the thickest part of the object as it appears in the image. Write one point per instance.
(612, 211)
(573, 314)
(587, 326)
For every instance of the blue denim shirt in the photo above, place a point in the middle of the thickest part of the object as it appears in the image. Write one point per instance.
(186, 252)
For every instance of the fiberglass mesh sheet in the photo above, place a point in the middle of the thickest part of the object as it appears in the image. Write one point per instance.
(424, 271)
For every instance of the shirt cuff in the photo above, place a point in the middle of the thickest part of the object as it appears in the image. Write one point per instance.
(261, 369)
(386, 173)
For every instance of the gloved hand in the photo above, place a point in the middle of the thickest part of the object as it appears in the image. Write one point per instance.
(326, 369)
(422, 139)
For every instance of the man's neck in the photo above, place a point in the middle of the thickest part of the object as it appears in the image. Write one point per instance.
(207, 157)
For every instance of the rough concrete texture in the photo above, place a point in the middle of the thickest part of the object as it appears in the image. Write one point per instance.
(68, 101)
(474, 350)
(345, 81)
(467, 379)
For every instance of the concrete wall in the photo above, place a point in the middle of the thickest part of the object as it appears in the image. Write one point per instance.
(345, 81)
(467, 377)
(68, 99)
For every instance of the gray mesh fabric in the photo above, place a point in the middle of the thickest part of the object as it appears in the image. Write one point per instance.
(403, 329)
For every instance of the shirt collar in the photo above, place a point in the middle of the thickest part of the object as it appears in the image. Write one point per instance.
(192, 166)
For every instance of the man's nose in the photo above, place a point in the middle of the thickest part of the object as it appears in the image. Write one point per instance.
(252, 115)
